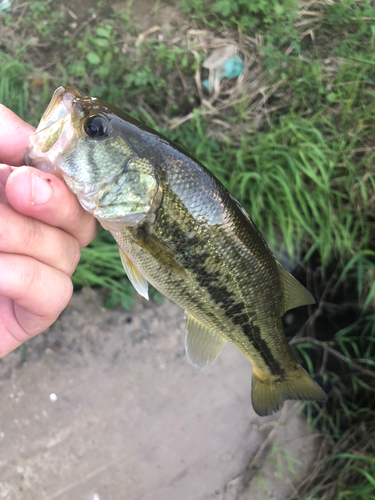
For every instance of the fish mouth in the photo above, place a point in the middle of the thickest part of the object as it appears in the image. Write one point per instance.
(54, 132)
(58, 108)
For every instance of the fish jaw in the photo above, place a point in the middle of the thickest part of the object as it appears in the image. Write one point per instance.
(55, 134)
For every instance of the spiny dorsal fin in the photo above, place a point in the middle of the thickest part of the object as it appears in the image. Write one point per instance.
(202, 345)
(294, 293)
(138, 281)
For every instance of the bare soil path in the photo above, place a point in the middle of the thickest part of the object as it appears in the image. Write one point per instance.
(132, 419)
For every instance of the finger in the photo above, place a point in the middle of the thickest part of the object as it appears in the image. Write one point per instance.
(24, 235)
(39, 293)
(48, 199)
(14, 137)
(10, 330)
(5, 171)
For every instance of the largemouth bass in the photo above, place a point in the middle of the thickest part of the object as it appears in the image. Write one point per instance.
(179, 229)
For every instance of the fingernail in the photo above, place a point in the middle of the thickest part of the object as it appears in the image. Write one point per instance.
(41, 190)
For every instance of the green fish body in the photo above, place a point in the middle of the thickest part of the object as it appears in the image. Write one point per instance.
(179, 229)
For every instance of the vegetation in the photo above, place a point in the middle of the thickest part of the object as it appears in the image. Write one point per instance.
(292, 138)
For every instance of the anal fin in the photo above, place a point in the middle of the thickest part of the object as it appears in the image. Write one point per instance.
(136, 278)
(202, 345)
(294, 293)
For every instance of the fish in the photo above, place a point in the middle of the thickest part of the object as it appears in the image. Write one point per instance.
(180, 230)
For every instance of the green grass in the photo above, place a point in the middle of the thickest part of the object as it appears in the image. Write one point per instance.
(365, 467)
(295, 179)
(292, 139)
(14, 87)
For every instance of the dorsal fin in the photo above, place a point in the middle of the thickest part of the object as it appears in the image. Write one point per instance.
(138, 281)
(202, 345)
(294, 293)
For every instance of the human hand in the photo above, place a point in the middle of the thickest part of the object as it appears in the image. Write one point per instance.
(42, 229)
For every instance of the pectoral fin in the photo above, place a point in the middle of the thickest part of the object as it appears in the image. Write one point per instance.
(159, 250)
(136, 278)
(202, 345)
(294, 293)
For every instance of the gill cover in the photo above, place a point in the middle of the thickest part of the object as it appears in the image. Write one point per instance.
(81, 139)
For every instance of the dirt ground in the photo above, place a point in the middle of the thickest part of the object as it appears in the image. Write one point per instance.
(105, 406)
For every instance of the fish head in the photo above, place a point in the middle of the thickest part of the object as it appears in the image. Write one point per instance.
(83, 140)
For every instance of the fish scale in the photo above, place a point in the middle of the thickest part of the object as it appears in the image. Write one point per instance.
(220, 284)
(179, 229)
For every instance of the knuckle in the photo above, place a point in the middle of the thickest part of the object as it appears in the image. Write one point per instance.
(76, 256)
(30, 235)
(74, 213)
(3, 230)
(79, 223)
(55, 291)
(31, 273)
(5, 224)
(70, 253)
(65, 294)
(89, 233)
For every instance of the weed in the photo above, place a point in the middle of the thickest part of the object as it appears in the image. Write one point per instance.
(44, 18)
(246, 15)
(14, 88)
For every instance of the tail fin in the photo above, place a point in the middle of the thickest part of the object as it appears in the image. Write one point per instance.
(269, 395)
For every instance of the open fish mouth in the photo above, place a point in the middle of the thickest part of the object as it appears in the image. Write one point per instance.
(54, 131)
(58, 108)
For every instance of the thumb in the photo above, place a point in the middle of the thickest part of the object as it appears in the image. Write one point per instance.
(14, 137)
(48, 199)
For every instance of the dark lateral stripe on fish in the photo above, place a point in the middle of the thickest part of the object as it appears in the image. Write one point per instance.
(197, 302)
(252, 332)
(221, 295)
(234, 311)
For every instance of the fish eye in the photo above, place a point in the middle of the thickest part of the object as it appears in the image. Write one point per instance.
(96, 126)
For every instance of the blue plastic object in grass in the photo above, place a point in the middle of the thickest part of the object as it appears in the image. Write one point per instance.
(5, 5)
(231, 68)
